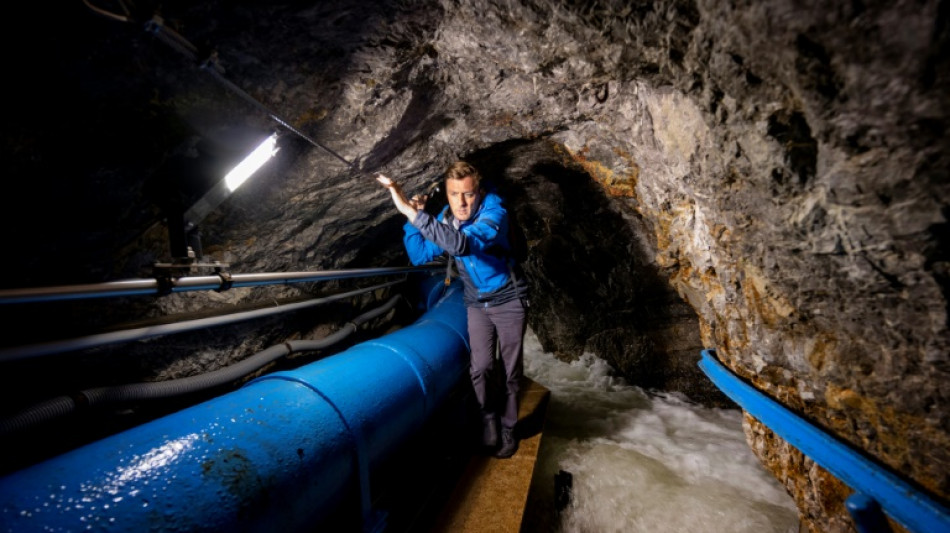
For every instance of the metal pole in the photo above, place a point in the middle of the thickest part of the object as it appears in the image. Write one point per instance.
(196, 283)
(134, 334)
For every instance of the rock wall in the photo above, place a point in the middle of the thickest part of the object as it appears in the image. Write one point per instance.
(779, 166)
(796, 182)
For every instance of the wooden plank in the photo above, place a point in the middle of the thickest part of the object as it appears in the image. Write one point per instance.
(492, 493)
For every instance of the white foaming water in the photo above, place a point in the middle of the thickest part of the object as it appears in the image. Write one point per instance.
(644, 463)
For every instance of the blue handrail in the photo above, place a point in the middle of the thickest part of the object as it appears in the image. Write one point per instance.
(907, 505)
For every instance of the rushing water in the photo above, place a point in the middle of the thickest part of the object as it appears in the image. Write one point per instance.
(642, 462)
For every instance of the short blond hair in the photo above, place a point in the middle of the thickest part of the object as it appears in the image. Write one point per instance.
(460, 170)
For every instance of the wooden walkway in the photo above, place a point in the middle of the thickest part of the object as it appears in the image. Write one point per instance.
(492, 493)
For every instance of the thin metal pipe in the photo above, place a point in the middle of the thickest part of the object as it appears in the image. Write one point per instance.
(913, 509)
(153, 286)
(134, 334)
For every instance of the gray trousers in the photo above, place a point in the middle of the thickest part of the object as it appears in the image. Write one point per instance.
(505, 324)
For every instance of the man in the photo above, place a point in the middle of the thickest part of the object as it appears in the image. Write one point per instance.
(473, 229)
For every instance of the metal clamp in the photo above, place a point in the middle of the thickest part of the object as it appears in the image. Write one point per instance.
(211, 63)
(154, 25)
(165, 283)
(226, 280)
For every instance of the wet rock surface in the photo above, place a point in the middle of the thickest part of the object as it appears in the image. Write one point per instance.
(769, 180)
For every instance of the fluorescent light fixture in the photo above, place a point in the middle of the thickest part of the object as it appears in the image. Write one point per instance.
(251, 163)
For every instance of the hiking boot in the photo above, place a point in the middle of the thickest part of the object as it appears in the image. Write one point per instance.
(509, 444)
(489, 431)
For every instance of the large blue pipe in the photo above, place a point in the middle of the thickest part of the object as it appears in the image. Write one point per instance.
(275, 455)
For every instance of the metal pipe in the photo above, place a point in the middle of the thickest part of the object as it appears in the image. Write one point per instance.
(914, 509)
(134, 334)
(153, 286)
(276, 455)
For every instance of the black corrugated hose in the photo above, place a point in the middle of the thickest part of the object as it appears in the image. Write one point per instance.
(64, 405)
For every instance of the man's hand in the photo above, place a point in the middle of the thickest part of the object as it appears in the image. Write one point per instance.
(386, 181)
(419, 201)
(404, 206)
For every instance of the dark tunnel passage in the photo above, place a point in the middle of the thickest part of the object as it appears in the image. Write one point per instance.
(596, 287)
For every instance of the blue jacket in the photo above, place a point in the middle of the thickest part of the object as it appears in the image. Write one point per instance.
(479, 247)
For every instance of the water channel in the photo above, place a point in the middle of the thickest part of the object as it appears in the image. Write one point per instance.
(643, 462)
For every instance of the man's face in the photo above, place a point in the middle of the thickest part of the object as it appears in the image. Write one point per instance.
(463, 197)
